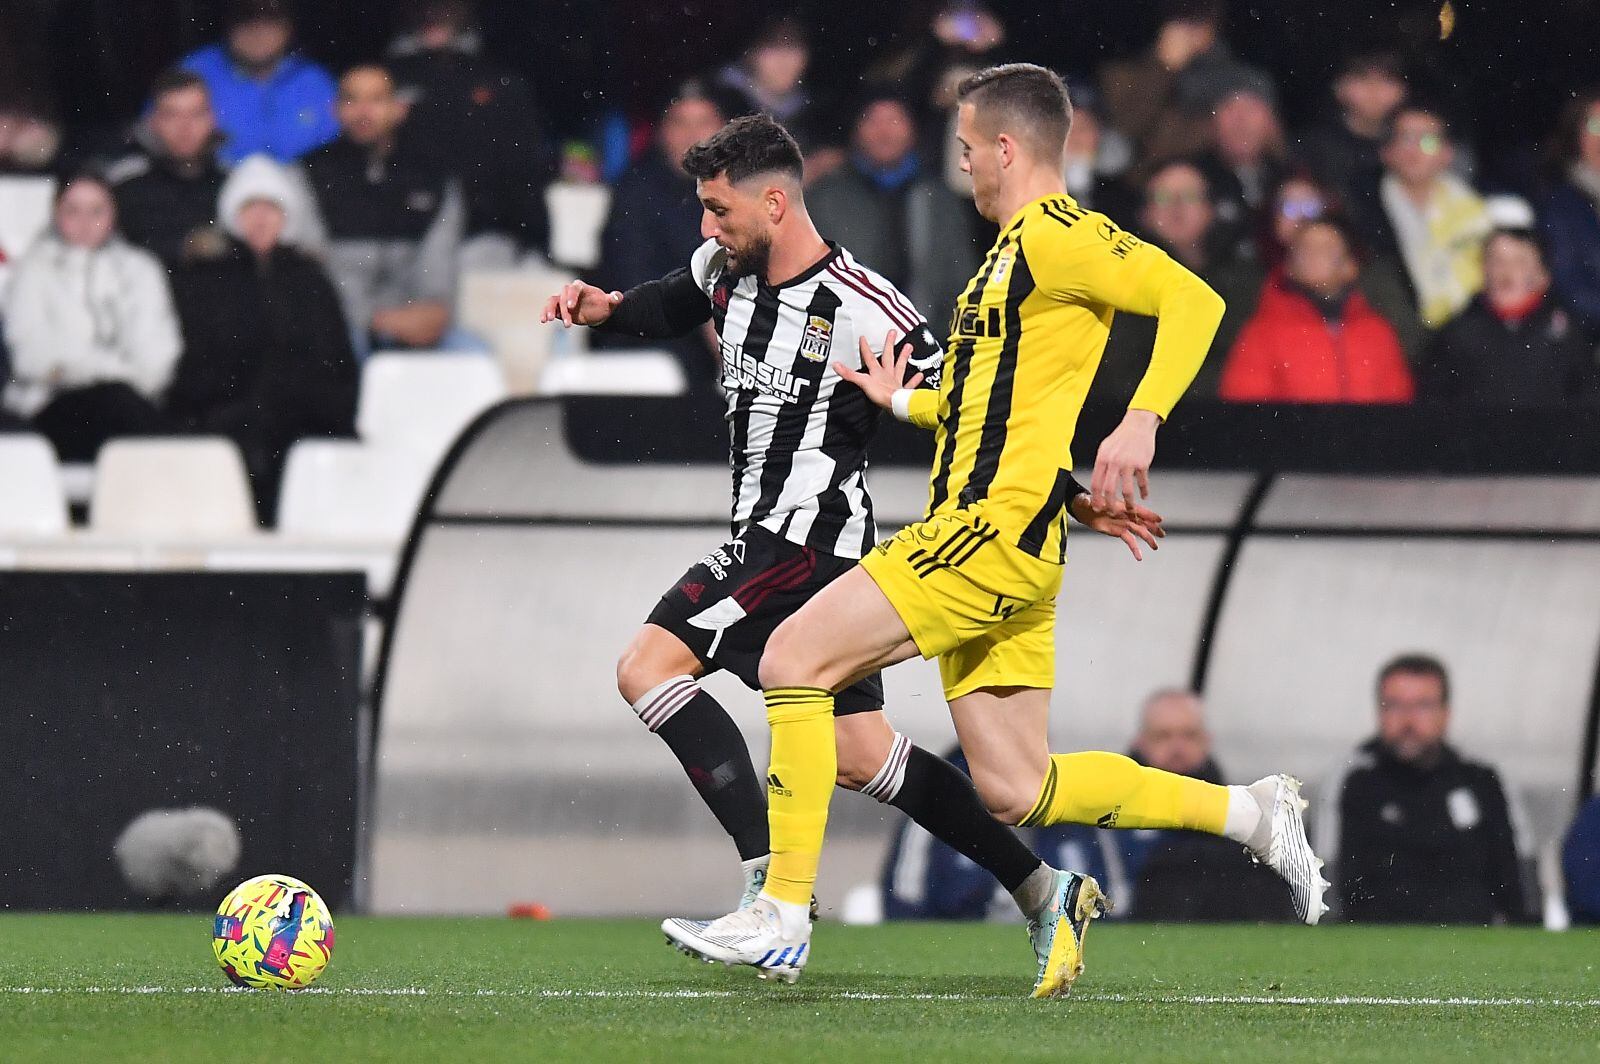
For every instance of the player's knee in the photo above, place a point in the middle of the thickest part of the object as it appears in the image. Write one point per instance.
(636, 675)
(781, 662)
(1006, 802)
(856, 768)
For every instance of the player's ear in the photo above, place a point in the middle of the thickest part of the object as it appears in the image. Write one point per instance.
(1008, 149)
(777, 203)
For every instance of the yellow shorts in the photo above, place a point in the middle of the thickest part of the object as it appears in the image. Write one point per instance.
(983, 606)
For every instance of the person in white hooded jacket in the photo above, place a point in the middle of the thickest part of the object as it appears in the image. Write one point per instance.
(90, 323)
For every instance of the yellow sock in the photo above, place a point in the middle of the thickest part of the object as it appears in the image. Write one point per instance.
(1112, 791)
(800, 781)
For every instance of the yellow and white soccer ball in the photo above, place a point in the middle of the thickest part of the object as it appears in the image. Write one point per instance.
(272, 933)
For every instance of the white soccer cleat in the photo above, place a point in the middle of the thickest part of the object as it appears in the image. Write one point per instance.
(1284, 847)
(751, 936)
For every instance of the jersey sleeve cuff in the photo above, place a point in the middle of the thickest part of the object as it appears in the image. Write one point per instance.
(920, 406)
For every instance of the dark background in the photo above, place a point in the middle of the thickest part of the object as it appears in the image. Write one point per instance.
(1505, 69)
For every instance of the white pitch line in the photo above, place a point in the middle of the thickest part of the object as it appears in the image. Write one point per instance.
(846, 995)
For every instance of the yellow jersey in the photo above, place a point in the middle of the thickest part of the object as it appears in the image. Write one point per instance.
(1025, 341)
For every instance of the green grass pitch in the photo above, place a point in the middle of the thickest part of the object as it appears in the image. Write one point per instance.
(144, 988)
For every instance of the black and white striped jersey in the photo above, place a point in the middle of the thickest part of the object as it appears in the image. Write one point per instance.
(799, 432)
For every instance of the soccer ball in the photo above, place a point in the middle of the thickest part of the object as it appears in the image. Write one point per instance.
(272, 932)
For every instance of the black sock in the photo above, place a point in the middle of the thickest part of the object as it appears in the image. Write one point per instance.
(713, 752)
(943, 801)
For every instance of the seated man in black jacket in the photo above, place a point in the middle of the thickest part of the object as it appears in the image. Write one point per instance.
(1184, 875)
(1424, 835)
(166, 190)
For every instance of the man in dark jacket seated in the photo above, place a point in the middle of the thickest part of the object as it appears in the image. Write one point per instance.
(1423, 835)
(1184, 875)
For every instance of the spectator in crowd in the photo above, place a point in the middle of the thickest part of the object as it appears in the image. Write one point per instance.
(266, 97)
(654, 226)
(1571, 214)
(1164, 99)
(890, 210)
(1184, 875)
(166, 189)
(1514, 346)
(1433, 219)
(393, 223)
(1096, 156)
(1580, 864)
(90, 323)
(1246, 162)
(1301, 199)
(1344, 150)
(30, 139)
(963, 38)
(1178, 217)
(1314, 338)
(771, 78)
(480, 121)
(267, 357)
(1423, 835)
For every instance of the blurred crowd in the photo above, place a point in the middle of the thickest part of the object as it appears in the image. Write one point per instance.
(268, 223)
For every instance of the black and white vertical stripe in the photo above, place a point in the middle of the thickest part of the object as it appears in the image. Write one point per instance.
(798, 433)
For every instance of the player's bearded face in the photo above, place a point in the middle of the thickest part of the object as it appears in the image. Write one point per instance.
(736, 220)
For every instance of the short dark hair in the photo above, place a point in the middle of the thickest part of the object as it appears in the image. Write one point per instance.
(240, 12)
(746, 146)
(1416, 665)
(1337, 220)
(1028, 99)
(1357, 64)
(1203, 11)
(177, 79)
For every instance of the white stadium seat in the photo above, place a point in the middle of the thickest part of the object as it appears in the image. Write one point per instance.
(577, 217)
(348, 490)
(420, 401)
(502, 306)
(653, 373)
(177, 487)
(30, 483)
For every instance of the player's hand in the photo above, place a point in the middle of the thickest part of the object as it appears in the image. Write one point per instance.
(880, 376)
(579, 304)
(1142, 524)
(1122, 466)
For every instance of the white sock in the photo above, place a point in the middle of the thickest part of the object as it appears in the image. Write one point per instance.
(1245, 815)
(1036, 891)
(793, 920)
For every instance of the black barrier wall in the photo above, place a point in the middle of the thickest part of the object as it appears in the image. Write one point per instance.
(126, 692)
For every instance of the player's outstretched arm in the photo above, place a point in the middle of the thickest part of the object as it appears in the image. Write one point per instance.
(579, 304)
(664, 309)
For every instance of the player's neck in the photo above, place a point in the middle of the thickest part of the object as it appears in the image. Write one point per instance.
(796, 253)
(1033, 185)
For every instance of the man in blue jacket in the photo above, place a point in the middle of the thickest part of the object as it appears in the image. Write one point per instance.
(266, 98)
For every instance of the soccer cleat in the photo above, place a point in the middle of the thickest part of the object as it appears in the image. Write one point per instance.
(1057, 932)
(1284, 847)
(751, 936)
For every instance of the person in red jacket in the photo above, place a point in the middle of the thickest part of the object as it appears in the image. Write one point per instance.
(1314, 338)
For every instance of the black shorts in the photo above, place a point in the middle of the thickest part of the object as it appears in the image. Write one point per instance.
(730, 602)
